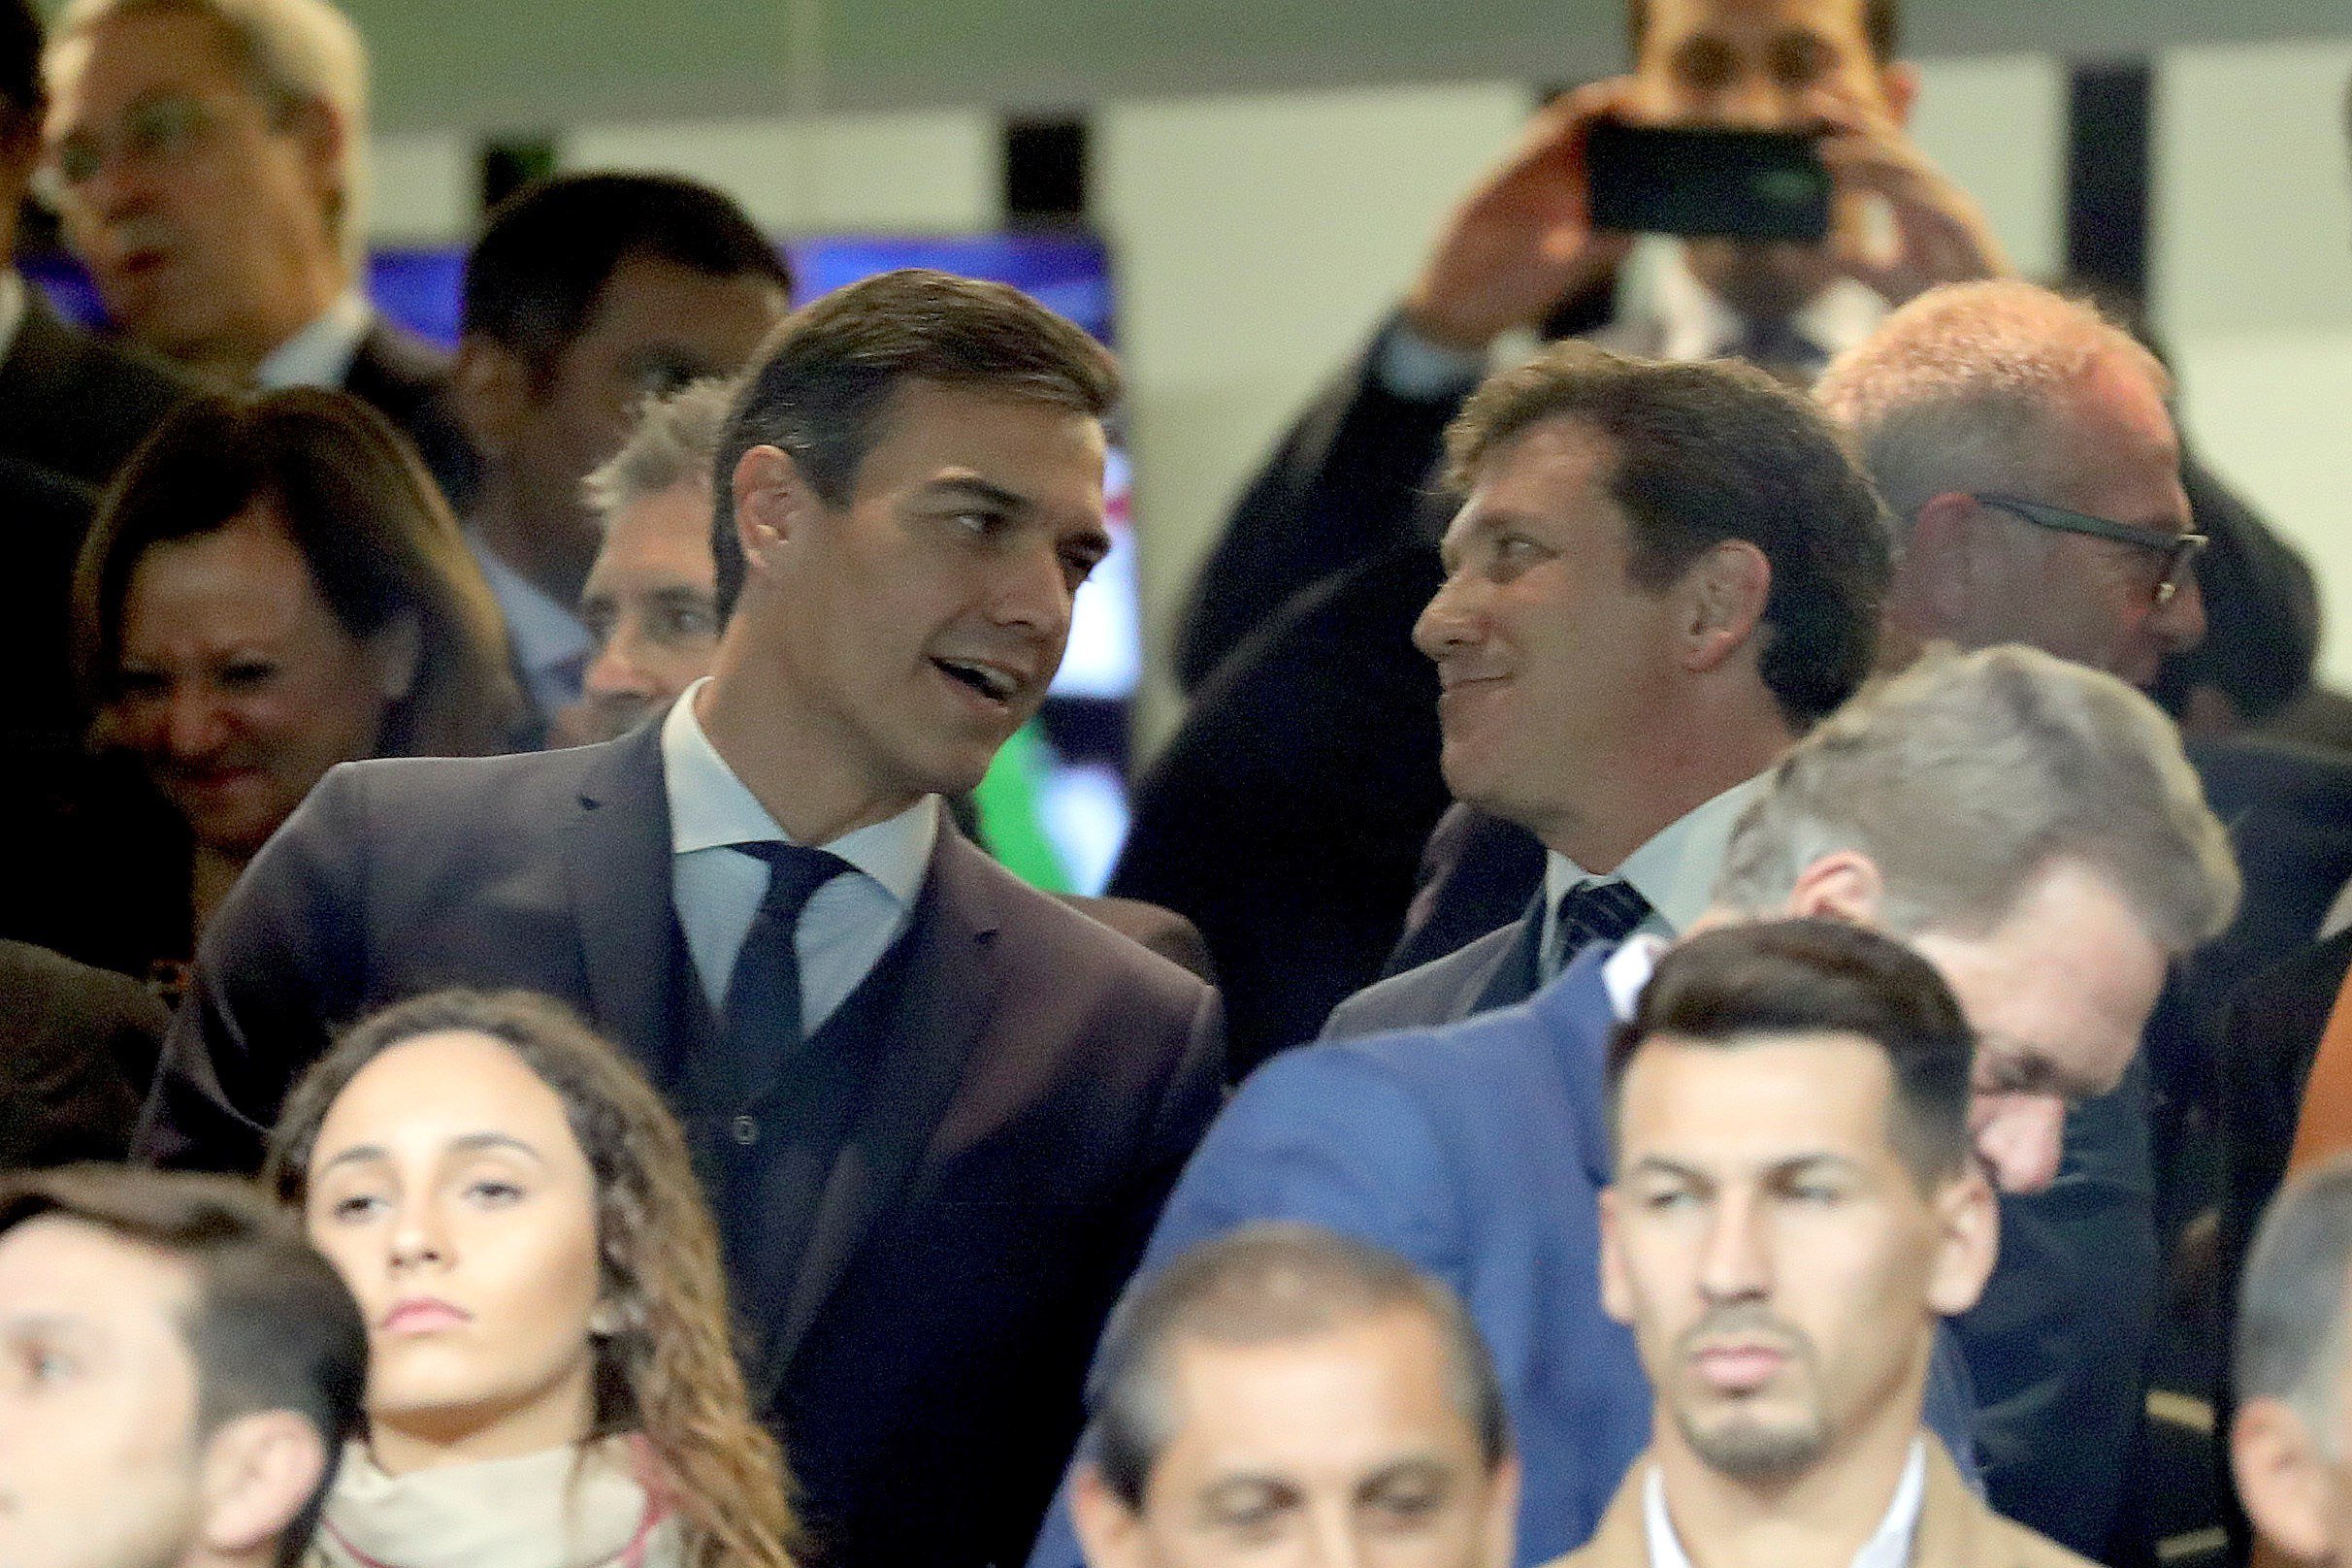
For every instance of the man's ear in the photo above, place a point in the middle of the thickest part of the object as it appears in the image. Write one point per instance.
(1844, 884)
(1109, 1532)
(2282, 1478)
(259, 1471)
(1938, 567)
(492, 387)
(1617, 1292)
(1968, 1222)
(1724, 591)
(323, 134)
(773, 504)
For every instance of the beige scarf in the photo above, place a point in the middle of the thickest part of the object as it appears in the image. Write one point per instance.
(564, 1508)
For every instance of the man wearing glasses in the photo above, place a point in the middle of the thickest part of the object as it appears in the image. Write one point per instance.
(2023, 445)
(208, 159)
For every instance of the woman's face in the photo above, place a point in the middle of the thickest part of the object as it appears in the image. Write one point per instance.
(449, 1192)
(238, 687)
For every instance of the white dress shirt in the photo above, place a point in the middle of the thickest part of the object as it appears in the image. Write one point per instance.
(551, 645)
(1889, 1548)
(848, 924)
(320, 354)
(1675, 870)
(1698, 325)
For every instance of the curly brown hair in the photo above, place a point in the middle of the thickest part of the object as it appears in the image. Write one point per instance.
(669, 1371)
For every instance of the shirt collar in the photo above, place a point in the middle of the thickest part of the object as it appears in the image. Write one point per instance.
(11, 310)
(1889, 1545)
(1699, 325)
(1676, 869)
(710, 807)
(545, 634)
(320, 354)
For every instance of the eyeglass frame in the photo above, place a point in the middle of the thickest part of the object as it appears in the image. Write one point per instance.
(2179, 550)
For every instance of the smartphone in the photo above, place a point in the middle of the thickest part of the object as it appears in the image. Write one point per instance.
(1706, 180)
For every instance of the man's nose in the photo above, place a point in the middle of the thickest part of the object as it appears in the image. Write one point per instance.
(2022, 1141)
(1032, 591)
(1737, 1264)
(195, 723)
(617, 671)
(1449, 621)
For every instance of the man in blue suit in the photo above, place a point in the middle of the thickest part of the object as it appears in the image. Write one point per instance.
(2029, 825)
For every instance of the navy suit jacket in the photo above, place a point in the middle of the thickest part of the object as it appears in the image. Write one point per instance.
(1479, 1150)
(1039, 1082)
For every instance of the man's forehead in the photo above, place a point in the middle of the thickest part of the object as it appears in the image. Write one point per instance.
(143, 51)
(1671, 19)
(1764, 1100)
(59, 1266)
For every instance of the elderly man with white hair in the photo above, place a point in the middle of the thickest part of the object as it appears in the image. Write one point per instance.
(208, 158)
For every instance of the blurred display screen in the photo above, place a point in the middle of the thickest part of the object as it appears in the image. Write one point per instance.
(1054, 806)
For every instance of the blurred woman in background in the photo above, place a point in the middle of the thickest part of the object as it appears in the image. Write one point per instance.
(273, 585)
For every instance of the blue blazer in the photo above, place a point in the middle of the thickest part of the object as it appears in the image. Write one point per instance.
(1478, 1150)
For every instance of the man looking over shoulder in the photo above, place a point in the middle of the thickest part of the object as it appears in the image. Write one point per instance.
(935, 1110)
(1794, 1207)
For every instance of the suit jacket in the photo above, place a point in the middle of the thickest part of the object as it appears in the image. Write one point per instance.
(1040, 1082)
(2056, 1349)
(76, 404)
(407, 378)
(72, 1040)
(1955, 1529)
(1477, 1151)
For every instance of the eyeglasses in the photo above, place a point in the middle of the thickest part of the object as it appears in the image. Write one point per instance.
(2179, 551)
(153, 133)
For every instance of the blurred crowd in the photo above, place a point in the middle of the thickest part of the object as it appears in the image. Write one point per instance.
(1740, 957)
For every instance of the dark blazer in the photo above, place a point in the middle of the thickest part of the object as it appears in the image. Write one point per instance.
(1495, 971)
(76, 404)
(409, 379)
(73, 1041)
(1040, 1081)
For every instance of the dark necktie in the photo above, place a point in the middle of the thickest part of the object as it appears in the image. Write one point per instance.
(763, 1006)
(1595, 912)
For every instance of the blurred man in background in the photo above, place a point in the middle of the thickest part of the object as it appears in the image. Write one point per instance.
(585, 294)
(209, 160)
(1288, 1393)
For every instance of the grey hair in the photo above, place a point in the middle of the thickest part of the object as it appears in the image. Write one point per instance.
(1962, 389)
(675, 438)
(1264, 1283)
(297, 51)
(2291, 1330)
(1969, 775)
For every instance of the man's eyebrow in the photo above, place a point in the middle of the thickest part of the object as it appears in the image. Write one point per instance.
(978, 489)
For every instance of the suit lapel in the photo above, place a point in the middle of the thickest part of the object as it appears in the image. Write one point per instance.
(1947, 1535)
(1621, 1540)
(1518, 969)
(618, 863)
(925, 1041)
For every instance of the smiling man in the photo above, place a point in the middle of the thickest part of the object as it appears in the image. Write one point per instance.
(935, 1111)
(1794, 1210)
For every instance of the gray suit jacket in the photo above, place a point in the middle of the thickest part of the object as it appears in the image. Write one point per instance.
(1499, 969)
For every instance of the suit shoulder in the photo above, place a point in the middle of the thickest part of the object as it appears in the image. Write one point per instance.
(1420, 998)
(2018, 1546)
(1043, 932)
(50, 986)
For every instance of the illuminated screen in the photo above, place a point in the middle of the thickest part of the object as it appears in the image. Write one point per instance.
(1055, 806)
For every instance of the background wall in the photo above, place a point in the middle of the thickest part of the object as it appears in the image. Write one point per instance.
(1261, 225)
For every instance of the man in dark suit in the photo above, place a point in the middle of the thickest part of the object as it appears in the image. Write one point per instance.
(586, 294)
(936, 1111)
(210, 166)
(1662, 575)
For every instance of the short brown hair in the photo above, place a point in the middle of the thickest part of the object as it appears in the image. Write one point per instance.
(1739, 984)
(375, 532)
(670, 1373)
(272, 1325)
(1881, 25)
(823, 385)
(1709, 452)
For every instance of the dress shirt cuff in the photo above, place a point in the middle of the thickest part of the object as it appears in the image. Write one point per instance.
(1409, 366)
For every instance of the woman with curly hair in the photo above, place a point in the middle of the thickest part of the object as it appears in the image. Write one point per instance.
(551, 1381)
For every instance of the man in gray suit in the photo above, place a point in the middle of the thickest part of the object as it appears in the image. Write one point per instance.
(936, 1111)
(1662, 575)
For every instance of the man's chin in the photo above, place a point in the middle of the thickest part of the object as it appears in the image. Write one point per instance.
(1763, 280)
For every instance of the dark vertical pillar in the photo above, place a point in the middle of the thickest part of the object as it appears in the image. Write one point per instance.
(509, 164)
(2108, 175)
(1045, 172)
